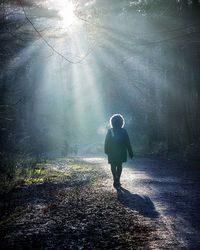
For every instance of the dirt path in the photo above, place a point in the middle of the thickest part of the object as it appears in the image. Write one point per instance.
(84, 211)
(169, 189)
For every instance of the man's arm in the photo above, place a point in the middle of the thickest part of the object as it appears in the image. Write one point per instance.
(129, 147)
(107, 143)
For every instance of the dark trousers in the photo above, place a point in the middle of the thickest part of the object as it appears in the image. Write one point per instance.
(116, 170)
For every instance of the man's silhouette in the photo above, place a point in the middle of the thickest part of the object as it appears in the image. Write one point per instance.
(117, 144)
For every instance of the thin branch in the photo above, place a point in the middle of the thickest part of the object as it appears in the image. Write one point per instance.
(50, 46)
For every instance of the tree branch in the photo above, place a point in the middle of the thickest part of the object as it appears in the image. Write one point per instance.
(50, 46)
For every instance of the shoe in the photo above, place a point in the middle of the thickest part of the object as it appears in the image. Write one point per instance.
(115, 183)
(118, 183)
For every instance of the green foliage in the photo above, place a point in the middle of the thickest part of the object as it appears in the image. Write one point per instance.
(12, 168)
(37, 173)
(42, 174)
(34, 174)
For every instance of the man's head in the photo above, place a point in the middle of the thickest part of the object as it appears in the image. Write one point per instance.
(117, 121)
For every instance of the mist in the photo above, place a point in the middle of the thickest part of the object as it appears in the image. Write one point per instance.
(67, 66)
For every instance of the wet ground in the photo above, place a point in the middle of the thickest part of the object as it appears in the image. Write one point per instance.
(156, 208)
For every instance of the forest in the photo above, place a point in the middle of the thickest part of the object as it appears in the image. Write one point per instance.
(67, 66)
(63, 77)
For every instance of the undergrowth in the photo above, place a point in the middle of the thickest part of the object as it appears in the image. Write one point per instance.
(37, 173)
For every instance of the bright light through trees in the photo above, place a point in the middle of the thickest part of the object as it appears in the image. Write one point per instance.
(84, 60)
(65, 11)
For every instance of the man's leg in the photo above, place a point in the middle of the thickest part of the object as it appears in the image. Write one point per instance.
(118, 173)
(114, 173)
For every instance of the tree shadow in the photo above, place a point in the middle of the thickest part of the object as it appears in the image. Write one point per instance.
(142, 204)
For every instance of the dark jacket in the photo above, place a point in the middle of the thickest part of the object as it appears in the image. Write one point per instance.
(117, 143)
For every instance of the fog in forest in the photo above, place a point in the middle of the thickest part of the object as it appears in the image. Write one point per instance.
(67, 66)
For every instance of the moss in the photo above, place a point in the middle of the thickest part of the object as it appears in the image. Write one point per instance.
(41, 175)
(44, 172)
(80, 168)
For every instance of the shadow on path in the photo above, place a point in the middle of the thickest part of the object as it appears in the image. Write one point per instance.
(143, 205)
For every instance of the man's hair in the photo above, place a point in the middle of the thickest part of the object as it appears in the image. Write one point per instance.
(117, 121)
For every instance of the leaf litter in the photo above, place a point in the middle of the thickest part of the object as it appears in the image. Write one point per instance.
(72, 213)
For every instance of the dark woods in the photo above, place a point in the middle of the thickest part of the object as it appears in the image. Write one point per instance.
(153, 80)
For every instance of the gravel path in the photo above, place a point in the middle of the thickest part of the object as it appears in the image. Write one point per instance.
(156, 208)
